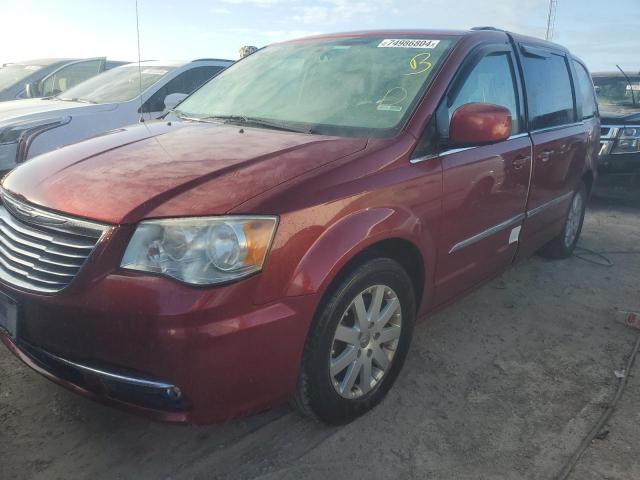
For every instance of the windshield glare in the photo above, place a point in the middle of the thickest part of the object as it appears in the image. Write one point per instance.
(120, 84)
(350, 86)
(12, 74)
(616, 90)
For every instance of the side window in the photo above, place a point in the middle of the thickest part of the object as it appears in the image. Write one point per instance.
(585, 91)
(70, 76)
(186, 82)
(549, 92)
(491, 81)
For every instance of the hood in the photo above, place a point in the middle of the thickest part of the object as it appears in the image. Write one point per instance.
(617, 114)
(170, 169)
(38, 108)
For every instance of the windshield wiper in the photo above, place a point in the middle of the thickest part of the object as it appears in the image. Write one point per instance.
(259, 122)
(183, 116)
(79, 100)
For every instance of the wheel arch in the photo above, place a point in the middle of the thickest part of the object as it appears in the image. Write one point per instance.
(588, 178)
(360, 236)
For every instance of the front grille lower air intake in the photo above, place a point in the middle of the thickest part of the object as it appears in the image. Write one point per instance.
(42, 251)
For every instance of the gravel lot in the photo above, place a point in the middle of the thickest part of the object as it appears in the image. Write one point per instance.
(504, 384)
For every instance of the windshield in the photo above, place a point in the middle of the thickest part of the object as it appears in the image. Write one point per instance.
(120, 84)
(361, 86)
(617, 91)
(12, 74)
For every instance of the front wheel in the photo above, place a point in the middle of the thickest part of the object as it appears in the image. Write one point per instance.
(358, 343)
(563, 245)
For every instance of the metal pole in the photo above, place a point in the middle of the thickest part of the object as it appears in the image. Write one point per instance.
(551, 19)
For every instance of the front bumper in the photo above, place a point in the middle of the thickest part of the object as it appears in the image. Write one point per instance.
(165, 350)
(609, 162)
(619, 163)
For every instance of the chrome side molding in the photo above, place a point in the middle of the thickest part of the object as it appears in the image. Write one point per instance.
(551, 203)
(487, 233)
(509, 223)
(458, 150)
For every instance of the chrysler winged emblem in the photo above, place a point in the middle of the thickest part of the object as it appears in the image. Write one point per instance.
(31, 214)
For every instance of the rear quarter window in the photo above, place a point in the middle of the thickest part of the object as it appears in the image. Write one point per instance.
(549, 91)
(585, 91)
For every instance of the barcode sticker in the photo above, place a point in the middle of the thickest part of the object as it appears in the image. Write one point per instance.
(408, 43)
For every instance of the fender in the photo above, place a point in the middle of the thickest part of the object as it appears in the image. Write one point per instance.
(354, 233)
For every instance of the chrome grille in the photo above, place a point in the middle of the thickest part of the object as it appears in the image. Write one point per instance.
(42, 251)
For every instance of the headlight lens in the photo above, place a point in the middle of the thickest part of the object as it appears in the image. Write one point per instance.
(12, 132)
(628, 141)
(201, 251)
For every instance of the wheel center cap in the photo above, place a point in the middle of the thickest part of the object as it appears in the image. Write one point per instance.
(365, 338)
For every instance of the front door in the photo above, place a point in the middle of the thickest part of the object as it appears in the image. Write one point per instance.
(484, 187)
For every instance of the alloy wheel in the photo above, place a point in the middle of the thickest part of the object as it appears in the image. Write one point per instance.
(365, 341)
(573, 220)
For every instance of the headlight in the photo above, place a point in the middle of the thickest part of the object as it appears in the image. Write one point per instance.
(628, 141)
(13, 133)
(201, 251)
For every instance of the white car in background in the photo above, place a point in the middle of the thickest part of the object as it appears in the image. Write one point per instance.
(105, 102)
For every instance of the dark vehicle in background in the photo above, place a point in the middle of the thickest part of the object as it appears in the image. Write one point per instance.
(619, 101)
(48, 76)
(277, 236)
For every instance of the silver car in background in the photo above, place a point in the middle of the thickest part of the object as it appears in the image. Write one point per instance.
(111, 100)
(48, 76)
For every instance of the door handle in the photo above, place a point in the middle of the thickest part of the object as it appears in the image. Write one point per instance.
(520, 161)
(545, 155)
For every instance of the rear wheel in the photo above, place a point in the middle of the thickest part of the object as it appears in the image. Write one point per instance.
(358, 343)
(563, 245)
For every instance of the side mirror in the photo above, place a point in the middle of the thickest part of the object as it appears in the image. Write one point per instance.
(172, 100)
(32, 89)
(479, 124)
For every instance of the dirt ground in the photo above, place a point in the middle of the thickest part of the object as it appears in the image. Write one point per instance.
(505, 384)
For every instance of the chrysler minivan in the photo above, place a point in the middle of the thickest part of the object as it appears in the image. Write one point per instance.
(278, 236)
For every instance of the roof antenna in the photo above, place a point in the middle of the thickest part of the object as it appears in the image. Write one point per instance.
(139, 66)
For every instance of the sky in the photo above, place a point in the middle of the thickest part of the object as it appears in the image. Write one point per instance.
(600, 32)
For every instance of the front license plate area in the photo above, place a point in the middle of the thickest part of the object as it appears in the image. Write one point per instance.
(9, 315)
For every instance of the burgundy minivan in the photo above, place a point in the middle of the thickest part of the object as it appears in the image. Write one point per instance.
(277, 237)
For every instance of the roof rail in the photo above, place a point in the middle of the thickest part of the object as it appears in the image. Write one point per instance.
(211, 60)
(494, 29)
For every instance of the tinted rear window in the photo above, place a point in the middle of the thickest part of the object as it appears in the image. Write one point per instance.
(549, 91)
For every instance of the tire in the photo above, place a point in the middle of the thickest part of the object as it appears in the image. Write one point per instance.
(337, 394)
(563, 245)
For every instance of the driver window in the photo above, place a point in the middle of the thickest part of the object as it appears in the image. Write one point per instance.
(490, 81)
(70, 76)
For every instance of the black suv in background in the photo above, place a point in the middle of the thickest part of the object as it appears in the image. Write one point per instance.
(47, 77)
(619, 103)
